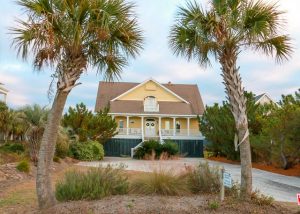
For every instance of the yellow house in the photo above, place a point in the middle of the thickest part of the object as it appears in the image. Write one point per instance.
(151, 110)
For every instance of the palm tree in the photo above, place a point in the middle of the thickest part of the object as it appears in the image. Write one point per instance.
(72, 35)
(36, 118)
(222, 32)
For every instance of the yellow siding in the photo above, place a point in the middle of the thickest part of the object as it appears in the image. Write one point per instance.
(135, 122)
(194, 124)
(118, 118)
(150, 89)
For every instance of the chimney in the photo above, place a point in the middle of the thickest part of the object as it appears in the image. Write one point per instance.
(169, 83)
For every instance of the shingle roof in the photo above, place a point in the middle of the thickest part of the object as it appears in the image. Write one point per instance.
(108, 91)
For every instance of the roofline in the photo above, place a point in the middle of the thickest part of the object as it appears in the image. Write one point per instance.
(150, 79)
(264, 94)
(153, 115)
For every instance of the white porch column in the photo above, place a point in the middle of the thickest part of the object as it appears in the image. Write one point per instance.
(142, 127)
(127, 125)
(159, 125)
(174, 126)
(188, 126)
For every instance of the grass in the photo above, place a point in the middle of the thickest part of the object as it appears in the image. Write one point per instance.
(213, 205)
(260, 199)
(23, 166)
(203, 179)
(94, 184)
(161, 183)
(21, 197)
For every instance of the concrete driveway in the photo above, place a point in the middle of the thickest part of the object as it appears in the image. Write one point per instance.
(280, 187)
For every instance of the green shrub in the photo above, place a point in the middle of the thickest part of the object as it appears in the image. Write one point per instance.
(170, 147)
(94, 184)
(56, 159)
(203, 178)
(213, 205)
(14, 147)
(23, 166)
(148, 147)
(161, 183)
(62, 145)
(87, 151)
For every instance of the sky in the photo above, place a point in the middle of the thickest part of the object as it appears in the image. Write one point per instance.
(259, 74)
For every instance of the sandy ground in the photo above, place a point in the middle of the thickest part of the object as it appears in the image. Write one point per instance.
(280, 187)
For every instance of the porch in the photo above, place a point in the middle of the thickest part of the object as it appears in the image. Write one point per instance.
(157, 127)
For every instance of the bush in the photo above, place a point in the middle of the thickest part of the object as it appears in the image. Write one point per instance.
(170, 147)
(161, 183)
(213, 205)
(62, 145)
(94, 184)
(14, 147)
(203, 179)
(87, 151)
(154, 147)
(261, 199)
(23, 166)
(147, 148)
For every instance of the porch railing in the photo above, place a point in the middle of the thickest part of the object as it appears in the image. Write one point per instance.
(180, 132)
(129, 131)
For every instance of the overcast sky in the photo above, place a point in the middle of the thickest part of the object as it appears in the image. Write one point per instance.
(259, 74)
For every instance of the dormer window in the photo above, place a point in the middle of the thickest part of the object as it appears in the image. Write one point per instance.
(150, 104)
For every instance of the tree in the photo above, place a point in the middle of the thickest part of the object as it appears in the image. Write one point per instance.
(78, 119)
(102, 127)
(36, 118)
(222, 32)
(72, 35)
(281, 132)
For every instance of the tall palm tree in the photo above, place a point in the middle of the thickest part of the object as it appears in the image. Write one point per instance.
(72, 35)
(222, 32)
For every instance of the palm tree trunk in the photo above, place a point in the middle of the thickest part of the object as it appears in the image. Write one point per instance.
(44, 189)
(237, 100)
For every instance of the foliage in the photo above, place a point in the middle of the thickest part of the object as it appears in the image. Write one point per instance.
(160, 182)
(86, 125)
(204, 179)
(217, 125)
(102, 126)
(78, 119)
(156, 148)
(261, 199)
(170, 148)
(213, 205)
(94, 184)
(62, 144)
(36, 117)
(87, 151)
(23, 166)
(13, 147)
(279, 141)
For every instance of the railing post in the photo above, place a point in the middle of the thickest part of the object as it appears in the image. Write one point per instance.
(127, 125)
(142, 127)
(174, 126)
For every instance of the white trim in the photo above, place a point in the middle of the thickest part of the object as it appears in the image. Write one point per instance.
(154, 115)
(151, 79)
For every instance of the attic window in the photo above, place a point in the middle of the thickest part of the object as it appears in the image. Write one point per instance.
(150, 104)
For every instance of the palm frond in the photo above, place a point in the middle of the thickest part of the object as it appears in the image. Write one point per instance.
(278, 46)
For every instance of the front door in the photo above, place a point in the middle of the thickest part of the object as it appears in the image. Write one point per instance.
(150, 127)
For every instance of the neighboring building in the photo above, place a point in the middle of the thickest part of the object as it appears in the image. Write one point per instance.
(263, 99)
(3, 93)
(150, 110)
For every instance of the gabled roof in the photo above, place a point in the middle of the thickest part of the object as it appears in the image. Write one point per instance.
(143, 83)
(259, 97)
(109, 91)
